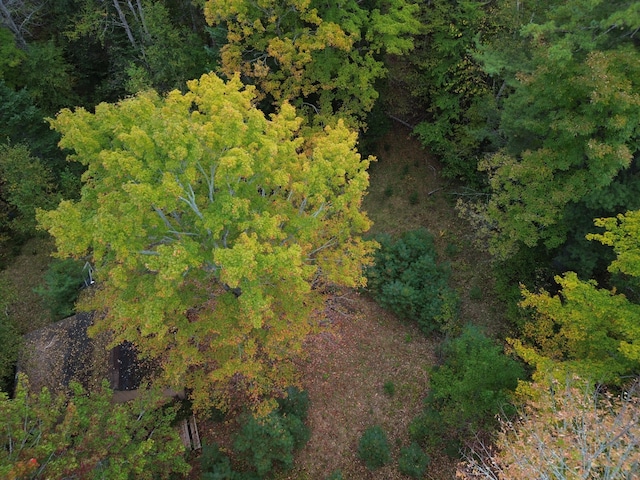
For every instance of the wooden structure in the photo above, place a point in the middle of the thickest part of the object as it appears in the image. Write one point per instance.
(188, 429)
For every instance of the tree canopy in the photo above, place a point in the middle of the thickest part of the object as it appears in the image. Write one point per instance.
(322, 56)
(568, 431)
(212, 230)
(87, 436)
(591, 331)
(570, 124)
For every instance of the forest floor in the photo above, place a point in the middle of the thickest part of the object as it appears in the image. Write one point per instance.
(24, 273)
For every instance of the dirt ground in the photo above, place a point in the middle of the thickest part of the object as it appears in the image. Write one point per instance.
(346, 376)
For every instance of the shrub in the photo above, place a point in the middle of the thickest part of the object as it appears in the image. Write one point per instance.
(406, 278)
(62, 284)
(373, 448)
(337, 475)
(389, 388)
(215, 464)
(296, 427)
(268, 442)
(264, 443)
(474, 383)
(27, 184)
(295, 403)
(427, 428)
(413, 461)
(475, 293)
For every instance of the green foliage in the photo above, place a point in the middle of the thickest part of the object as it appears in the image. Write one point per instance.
(298, 430)
(46, 76)
(21, 122)
(265, 443)
(413, 461)
(170, 53)
(475, 293)
(406, 279)
(323, 57)
(622, 233)
(62, 283)
(10, 340)
(336, 475)
(268, 442)
(26, 184)
(373, 448)
(445, 76)
(571, 124)
(47, 436)
(296, 402)
(473, 384)
(10, 54)
(527, 267)
(148, 45)
(215, 464)
(428, 428)
(389, 388)
(586, 330)
(221, 220)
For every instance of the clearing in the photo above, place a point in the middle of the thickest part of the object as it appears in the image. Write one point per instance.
(351, 371)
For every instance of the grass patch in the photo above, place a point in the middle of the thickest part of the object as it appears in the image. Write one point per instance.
(389, 388)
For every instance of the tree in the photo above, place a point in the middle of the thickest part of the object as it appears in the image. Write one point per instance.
(16, 15)
(46, 76)
(87, 436)
(323, 57)
(21, 122)
(569, 431)
(446, 77)
(10, 54)
(212, 231)
(25, 185)
(590, 331)
(148, 45)
(621, 233)
(585, 330)
(570, 125)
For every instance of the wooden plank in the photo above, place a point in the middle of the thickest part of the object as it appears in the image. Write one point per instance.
(195, 435)
(183, 429)
(188, 429)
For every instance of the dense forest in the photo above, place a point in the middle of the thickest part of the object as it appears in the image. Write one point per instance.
(227, 184)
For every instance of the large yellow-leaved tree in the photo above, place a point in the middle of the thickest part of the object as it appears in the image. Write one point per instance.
(212, 229)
